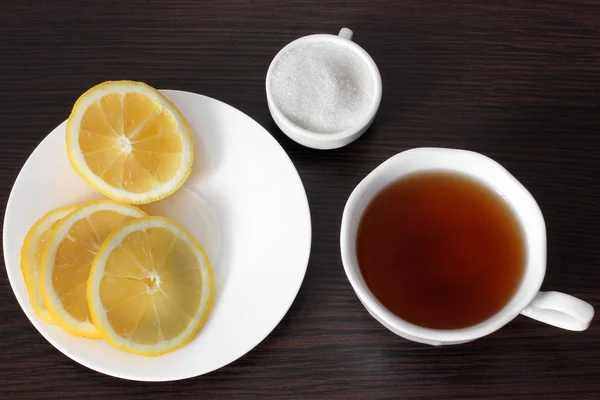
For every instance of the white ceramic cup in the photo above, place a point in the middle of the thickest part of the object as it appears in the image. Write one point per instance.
(554, 308)
(318, 140)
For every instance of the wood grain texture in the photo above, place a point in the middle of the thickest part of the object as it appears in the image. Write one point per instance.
(517, 80)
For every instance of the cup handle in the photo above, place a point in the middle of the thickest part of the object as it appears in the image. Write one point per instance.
(561, 310)
(346, 33)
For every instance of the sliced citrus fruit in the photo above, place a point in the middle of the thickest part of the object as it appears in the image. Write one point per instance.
(68, 257)
(129, 142)
(150, 288)
(31, 253)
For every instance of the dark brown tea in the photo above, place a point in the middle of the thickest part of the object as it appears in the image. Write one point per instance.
(440, 250)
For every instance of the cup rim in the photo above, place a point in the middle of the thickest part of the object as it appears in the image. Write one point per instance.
(439, 336)
(290, 127)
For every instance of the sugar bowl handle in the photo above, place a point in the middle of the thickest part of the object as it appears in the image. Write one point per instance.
(346, 33)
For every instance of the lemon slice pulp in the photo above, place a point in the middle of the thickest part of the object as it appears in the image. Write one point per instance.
(129, 142)
(68, 257)
(150, 288)
(31, 254)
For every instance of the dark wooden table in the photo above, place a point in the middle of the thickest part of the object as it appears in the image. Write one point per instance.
(516, 80)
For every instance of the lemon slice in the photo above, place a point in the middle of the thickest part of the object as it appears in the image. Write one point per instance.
(150, 288)
(68, 257)
(129, 142)
(31, 253)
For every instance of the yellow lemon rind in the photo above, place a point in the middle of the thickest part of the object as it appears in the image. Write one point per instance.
(28, 251)
(97, 312)
(59, 315)
(80, 166)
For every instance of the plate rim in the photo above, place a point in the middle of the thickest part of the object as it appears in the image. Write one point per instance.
(33, 319)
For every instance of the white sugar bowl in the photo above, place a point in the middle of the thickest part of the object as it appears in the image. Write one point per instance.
(323, 90)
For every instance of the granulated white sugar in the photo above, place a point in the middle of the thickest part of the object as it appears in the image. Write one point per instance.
(322, 87)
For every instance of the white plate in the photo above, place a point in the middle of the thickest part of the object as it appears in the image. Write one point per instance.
(244, 201)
